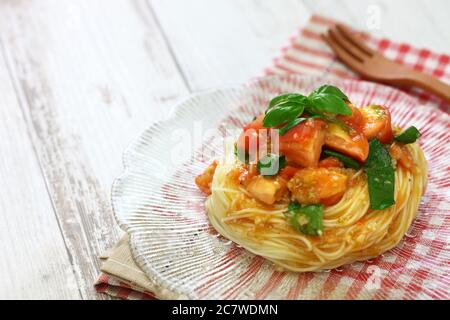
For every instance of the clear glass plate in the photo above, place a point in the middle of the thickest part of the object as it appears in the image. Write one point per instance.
(156, 201)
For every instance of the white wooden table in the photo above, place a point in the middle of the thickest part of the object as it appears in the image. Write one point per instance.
(80, 79)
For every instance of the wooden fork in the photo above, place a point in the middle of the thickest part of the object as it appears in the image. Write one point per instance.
(374, 66)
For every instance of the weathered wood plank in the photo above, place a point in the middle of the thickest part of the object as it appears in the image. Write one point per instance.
(227, 42)
(217, 42)
(90, 75)
(34, 262)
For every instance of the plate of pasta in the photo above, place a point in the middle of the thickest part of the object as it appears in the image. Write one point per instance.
(291, 187)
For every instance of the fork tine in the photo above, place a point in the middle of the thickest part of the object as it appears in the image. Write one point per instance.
(346, 57)
(347, 45)
(356, 42)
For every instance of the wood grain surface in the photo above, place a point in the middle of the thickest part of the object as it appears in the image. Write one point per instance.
(80, 79)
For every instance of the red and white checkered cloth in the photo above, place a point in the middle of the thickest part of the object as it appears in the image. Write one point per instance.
(308, 54)
(114, 287)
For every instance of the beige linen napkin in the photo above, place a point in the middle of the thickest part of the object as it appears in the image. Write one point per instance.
(121, 277)
(118, 262)
(124, 279)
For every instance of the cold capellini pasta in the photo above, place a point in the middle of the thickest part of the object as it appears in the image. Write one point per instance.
(324, 183)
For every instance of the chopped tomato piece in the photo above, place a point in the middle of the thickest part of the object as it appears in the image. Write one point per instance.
(314, 185)
(355, 121)
(256, 124)
(303, 143)
(253, 136)
(288, 172)
(332, 200)
(204, 180)
(377, 123)
(242, 174)
(249, 141)
(330, 162)
(348, 142)
(266, 190)
(234, 175)
(402, 155)
(248, 173)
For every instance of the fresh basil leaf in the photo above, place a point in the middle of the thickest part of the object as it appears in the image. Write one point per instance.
(282, 113)
(270, 165)
(285, 108)
(347, 161)
(293, 206)
(328, 99)
(329, 89)
(307, 219)
(410, 135)
(380, 176)
(325, 102)
(293, 97)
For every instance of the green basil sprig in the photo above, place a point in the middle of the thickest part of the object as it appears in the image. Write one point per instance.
(283, 109)
(270, 165)
(410, 135)
(331, 90)
(322, 102)
(380, 176)
(282, 113)
(307, 219)
(328, 99)
(287, 97)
